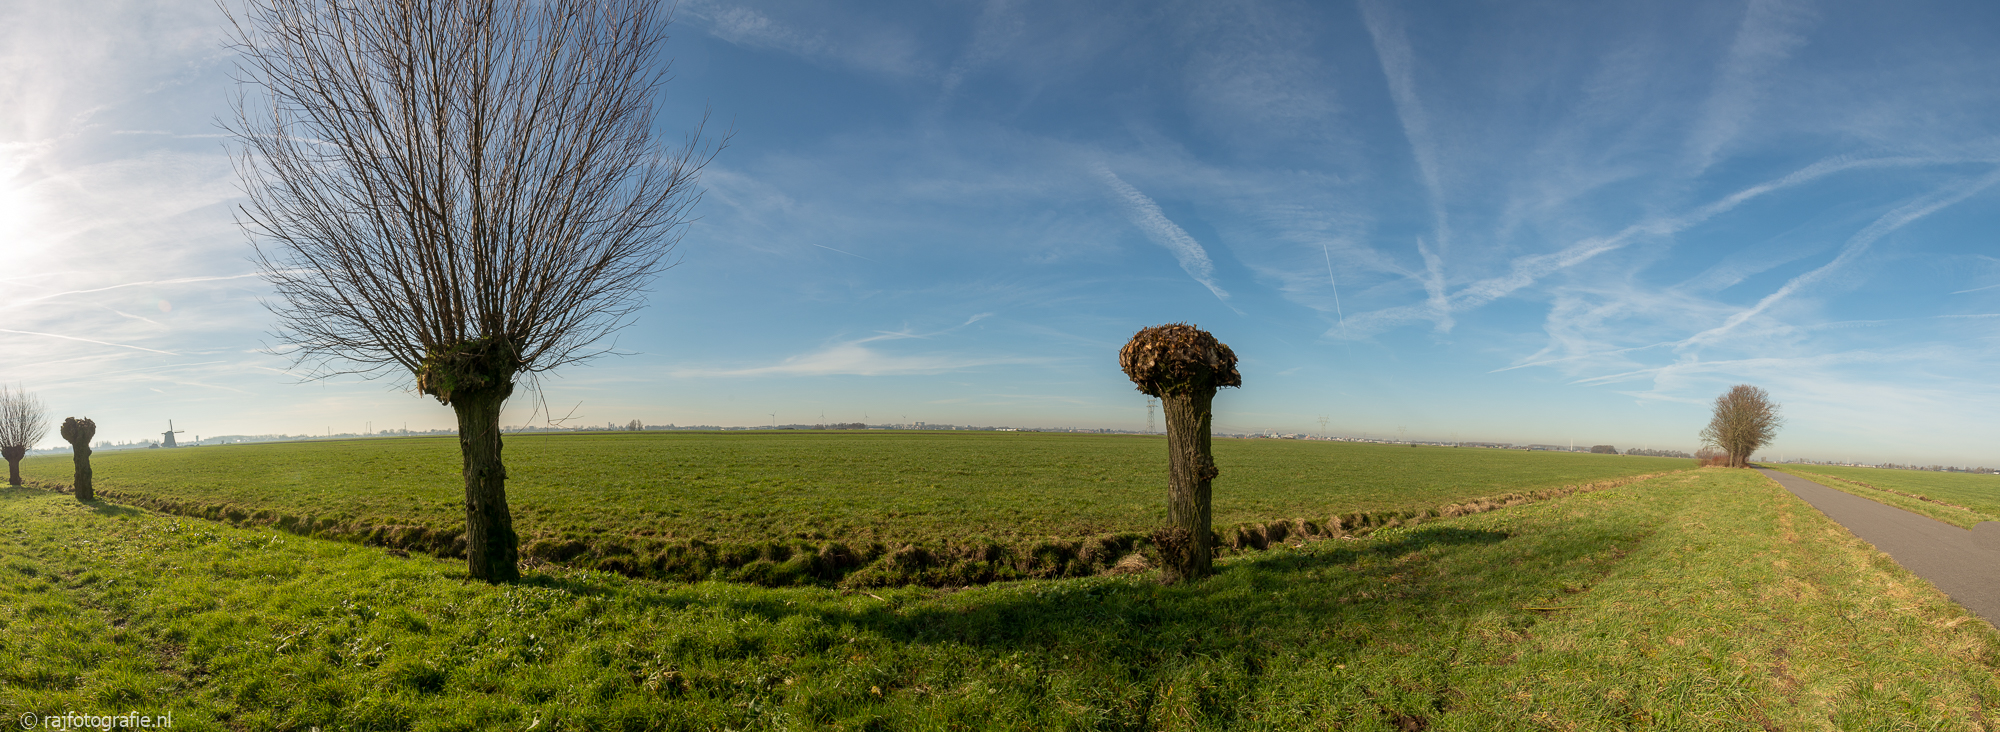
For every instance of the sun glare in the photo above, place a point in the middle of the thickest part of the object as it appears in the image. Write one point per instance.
(16, 215)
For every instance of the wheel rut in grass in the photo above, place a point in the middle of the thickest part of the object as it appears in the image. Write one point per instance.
(1959, 562)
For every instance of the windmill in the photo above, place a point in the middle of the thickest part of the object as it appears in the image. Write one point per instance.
(167, 438)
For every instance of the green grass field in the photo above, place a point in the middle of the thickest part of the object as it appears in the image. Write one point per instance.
(1708, 599)
(789, 507)
(1960, 499)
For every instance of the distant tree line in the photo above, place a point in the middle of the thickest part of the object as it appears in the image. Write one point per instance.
(1938, 468)
(1603, 450)
(1657, 453)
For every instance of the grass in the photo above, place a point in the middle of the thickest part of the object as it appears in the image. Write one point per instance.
(1959, 499)
(790, 507)
(1710, 599)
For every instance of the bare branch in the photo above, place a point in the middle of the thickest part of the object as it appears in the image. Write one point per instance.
(427, 174)
(24, 420)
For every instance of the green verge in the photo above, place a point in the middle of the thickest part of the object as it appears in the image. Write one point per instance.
(1978, 495)
(1903, 496)
(1710, 599)
(857, 508)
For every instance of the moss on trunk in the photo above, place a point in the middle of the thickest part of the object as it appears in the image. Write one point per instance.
(14, 455)
(475, 377)
(1190, 468)
(491, 546)
(78, 432)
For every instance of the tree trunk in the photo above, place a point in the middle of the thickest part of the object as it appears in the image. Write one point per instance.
(14, 455)
(1190, 469)
(81, 454)
(490, 543)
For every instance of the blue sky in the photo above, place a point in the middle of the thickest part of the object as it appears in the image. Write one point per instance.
(1495, 221)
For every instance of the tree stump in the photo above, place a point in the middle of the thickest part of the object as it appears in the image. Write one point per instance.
(78, 433)
(1183, 366)
(13, 454)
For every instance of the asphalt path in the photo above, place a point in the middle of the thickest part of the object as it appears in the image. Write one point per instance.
(1964, 564)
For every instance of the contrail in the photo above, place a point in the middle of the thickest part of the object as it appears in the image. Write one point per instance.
(182, 280)
(1146, 215)
(851, 254)
(87, 340)
(1856, 245)
(1583, 355)
(1336, 288)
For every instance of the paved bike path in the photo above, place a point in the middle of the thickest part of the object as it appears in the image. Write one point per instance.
(1964, 564)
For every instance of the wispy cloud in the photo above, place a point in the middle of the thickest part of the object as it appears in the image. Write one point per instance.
(1527, 270)
(857, 358)
(1768, 34)
(1392, 50)
(875, 48)
(1855, 246)
(1147, 215)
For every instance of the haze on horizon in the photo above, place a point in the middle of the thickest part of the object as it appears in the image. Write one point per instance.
(1530, 225)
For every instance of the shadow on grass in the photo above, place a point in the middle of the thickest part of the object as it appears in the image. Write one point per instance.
(1252, 607)
(104, 508)
(99, 506)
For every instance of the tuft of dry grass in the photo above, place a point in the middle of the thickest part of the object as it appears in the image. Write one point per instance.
(1133, 563)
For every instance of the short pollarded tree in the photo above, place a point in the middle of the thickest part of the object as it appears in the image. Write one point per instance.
(464, 191)
(1745, 420)
(1183, 366)
(77, 432)
(23, 424)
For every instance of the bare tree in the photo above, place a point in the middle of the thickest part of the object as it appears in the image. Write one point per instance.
(23, 424)
(1744, 421)
(1183, 366)
(463, 191)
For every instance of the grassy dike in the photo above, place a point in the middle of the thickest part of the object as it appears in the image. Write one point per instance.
(1710, 599)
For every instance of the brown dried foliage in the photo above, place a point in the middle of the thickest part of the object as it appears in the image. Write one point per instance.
(1178, 358)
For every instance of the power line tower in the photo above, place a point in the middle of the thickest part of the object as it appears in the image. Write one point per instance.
(1322, 425)
(1150, 403)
